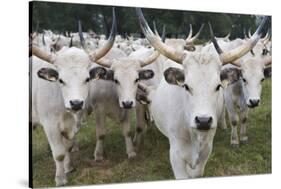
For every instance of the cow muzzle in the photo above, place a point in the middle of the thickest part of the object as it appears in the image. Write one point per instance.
(127, 104)
(203, 123)
(76, 105)
(253, 103)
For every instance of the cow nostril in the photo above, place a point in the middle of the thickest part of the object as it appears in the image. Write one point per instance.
(210, 120)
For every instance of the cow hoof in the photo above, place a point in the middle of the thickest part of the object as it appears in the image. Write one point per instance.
(132, 155)
(234, 146)
(61, 180)
(98, 158)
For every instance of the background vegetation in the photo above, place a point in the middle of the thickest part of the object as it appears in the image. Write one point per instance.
(61, 17)
(152, 162)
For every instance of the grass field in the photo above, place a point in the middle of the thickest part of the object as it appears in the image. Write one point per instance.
(152, 162)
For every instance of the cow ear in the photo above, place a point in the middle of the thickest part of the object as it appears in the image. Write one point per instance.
(145, 74)
(267, 72)
(230, 75)
(174, 76)
(48, 74)
(190, 48)
(101, 73)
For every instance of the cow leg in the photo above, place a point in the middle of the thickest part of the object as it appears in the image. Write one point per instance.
(233, 118)
(140, 125)
(243, 132)
(178, 164)
(70, 144)
(126, 126)
(100, 135)
(222, 122)
(58, 151)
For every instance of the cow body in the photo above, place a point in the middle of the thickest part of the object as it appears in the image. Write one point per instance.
(174, 111)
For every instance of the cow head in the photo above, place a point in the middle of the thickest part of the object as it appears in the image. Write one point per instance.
(72, 70)
(253, 72)
(202, 89)
(126, 74)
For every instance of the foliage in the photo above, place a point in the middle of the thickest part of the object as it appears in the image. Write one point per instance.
(63, 17)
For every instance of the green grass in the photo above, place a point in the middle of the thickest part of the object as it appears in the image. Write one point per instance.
(152, 162)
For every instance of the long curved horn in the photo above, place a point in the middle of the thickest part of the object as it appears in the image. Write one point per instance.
(157, 33)
(71, 41)
(249, 33)
(156, 42)
(163, 36)
(82, 40)
(245, 35)
(189, 41)
(228, 35)
(43, 55)
(190, 32)
(265, 39)
(231, 56)
(155, 29)
(150, 59)
(43, 39)
(108, 45)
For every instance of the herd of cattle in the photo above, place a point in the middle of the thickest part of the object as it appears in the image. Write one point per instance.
(183, 88)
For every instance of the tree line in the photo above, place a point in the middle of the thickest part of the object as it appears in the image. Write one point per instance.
(62, 17)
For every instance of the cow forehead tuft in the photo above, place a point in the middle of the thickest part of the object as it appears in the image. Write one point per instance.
(126, 63)
(201, 58)
(72, 57)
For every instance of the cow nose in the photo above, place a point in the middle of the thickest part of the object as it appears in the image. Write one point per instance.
(127, 104)
(76, 104)
(254, 102)
(203, 123)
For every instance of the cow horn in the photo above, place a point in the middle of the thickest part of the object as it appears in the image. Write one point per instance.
(163, 36)
(156, 42)
(81, 37)
(231, 56)
(228, 35)
(249, 33)
(163, 31)
(43, 39)
(245, 35)
(191, 40)
(190, 33)
(71, 41)
(266, 39)
(108, 45)
(155, 29)
(43, 55)
(150, 59)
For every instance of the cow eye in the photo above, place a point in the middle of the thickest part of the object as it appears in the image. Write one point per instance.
(87, 80)
(244, 80)
(262, 79)
(218, 87)
(61, 81)
(186, 87)
(116, 81)
(137, 80)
